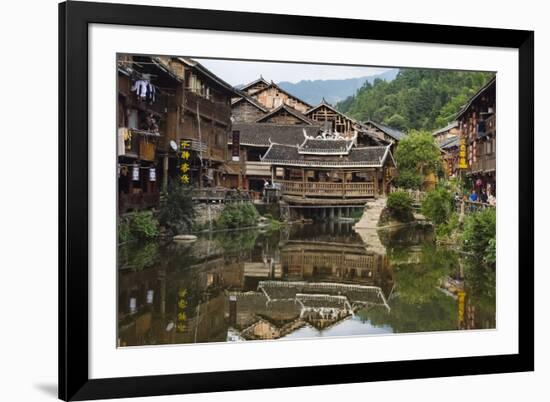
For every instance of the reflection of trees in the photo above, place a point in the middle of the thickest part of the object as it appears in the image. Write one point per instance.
(437, 314)
(138, 255)
(419, 305)
(418, 272)
(480, 286)
(235, 243)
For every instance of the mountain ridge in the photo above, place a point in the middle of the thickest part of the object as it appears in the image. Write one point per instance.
(333, 91)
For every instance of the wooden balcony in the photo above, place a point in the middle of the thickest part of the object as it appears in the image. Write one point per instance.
(215, 111)
(317, 189)
(257, 169)
(484, 163)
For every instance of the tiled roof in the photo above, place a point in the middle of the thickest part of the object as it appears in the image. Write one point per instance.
(273, 85)
(448, 127)
(450, 142)
(322, 146)
(289, 110)
(357, 157)
(392, 132)
(249, 99)
(491, 85)
(261, 79)
(262, 134)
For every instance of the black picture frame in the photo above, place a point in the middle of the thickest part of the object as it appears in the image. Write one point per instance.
(74, 18)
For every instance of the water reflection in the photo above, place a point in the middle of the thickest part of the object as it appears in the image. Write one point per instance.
(320, 279)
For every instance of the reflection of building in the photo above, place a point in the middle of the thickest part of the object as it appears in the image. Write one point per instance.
(280, 307)
(316, 275)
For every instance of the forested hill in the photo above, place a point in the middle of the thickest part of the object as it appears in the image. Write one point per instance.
(313, 91)
(415, 99)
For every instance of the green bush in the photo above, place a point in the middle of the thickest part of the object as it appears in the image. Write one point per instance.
(409, 179)
(237, 215)
(438, 205)
(137, 226)
(177, 212)
(124, 234)
(449, 228)
(399, 206)
(479, 235)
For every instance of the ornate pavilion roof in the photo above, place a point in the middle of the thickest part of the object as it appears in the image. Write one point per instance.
(264, 134)
(290, 155)
(326, 147)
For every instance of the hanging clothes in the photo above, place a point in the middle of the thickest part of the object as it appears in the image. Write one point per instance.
(144, 90)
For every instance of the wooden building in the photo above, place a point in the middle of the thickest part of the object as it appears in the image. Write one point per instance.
(477, 125)
(271, 96)
(389, 135)
(255, 86)
(249, 173)
(246, 109)
(449, 152)
(141, 125)
(333, 120)
(330, 170)
(284, 114)
(443, 134)
(199, 114)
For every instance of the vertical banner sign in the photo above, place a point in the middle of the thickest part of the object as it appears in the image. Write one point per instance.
(236, 145)
(462, 164)
(184, 163)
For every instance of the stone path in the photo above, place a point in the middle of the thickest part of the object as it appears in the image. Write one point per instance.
(367, 227)
(370, 217)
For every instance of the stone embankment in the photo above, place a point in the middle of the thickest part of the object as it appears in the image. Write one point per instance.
(367, 227)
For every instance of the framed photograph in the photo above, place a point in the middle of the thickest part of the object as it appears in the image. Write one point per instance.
(259, 201)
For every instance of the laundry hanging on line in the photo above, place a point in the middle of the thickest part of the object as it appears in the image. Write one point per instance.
(144, 90)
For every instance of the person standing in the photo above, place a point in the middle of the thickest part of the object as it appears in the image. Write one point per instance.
(483, 196)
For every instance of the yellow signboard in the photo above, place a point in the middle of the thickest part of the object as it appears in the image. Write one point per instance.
(462, 163)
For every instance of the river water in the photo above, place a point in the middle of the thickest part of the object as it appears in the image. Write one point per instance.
(303, 281)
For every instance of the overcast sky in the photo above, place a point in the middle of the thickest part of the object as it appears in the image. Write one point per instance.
(243, 72)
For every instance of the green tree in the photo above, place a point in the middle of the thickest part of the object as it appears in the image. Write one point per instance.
(399, 206)
(425, 99)
(397, 121)
(438, 205)
(177, 212)
(417, 155)
(479, 235)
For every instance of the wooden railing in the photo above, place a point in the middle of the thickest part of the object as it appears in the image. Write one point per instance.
(365, 189)
(484, 163)
(221, 195)
(219, 112)
(471, 206)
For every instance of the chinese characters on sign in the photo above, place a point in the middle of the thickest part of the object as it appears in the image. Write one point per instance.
(184, 164)
(462, 164)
